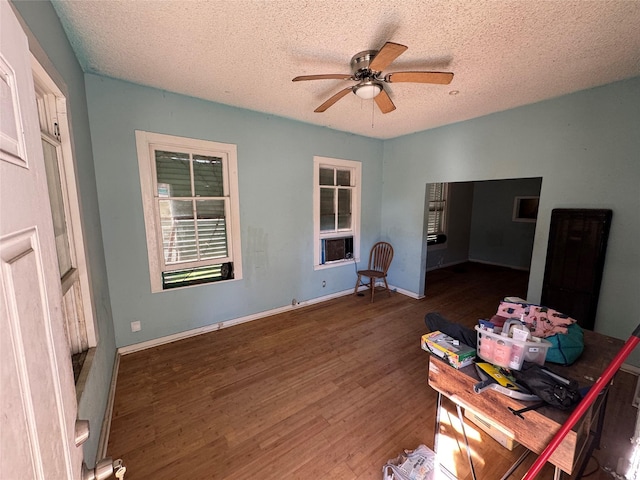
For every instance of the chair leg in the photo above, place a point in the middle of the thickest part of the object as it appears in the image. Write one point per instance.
(357, 285)
(372, 286)
(386, 285)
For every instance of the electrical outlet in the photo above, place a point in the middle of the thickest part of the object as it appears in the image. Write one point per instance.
(324, 283)
(136, 326)
(294, 302)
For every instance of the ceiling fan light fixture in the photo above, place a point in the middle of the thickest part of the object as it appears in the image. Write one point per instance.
(367, 90)
(367, 68)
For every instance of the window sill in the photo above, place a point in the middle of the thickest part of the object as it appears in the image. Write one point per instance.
(84, 373)
(196, 285)
(436, 242)
(337, 263)
(436, 239)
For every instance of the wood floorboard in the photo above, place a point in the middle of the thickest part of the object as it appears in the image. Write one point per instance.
(329, 391)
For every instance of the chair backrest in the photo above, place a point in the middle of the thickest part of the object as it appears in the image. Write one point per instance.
(380, 257)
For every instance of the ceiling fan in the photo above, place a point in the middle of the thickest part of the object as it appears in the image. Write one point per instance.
(367, 67)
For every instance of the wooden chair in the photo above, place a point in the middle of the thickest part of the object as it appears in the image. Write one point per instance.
(379, 260)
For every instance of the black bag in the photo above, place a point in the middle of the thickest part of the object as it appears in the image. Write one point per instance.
(550, 390)
(436, 322)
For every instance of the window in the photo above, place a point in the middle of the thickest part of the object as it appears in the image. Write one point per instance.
(336, 207)
(437, 214)
(190, 199)
(525, 209)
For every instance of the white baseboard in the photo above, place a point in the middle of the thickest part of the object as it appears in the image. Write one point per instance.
(633, 370)
(106, 421)
(627, 367)
(137, 347)
(496, 264)
(393, 288)
(472, 260)
(406, 293)
(446, 265)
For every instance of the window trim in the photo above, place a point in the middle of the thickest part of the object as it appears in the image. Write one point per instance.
(146, 144)
(354, 231)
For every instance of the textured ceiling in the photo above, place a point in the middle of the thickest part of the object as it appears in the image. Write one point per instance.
(245, 53)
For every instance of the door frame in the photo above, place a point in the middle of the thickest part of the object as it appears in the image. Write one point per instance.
(45, 81)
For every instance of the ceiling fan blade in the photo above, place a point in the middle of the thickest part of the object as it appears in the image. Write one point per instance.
(326, 76)
(384, 102)
(333, 100)
(387, 54)
(442, 78)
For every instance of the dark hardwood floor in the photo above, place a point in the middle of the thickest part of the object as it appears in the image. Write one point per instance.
(329, 391)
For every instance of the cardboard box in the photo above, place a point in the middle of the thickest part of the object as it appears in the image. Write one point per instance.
(503, 437)
(456, 354)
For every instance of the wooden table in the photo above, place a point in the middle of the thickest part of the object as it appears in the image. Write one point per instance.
(538, 427)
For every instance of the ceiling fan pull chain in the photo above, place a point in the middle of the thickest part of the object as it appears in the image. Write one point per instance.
(373, 112)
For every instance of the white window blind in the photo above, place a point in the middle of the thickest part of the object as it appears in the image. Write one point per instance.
(436, 217)
(191, 205)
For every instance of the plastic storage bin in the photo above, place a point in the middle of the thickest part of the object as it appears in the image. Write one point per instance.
(509, 353)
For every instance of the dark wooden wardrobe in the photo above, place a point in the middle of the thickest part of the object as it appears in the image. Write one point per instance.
(575, 261)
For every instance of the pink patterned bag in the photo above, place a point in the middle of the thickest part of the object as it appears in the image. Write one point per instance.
(542, 321)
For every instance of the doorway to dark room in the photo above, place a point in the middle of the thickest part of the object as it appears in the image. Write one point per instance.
(484, 229)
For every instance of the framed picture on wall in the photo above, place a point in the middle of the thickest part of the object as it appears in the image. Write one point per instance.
(525, 209)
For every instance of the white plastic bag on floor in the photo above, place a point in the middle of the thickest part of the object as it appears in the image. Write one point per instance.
(418, 464)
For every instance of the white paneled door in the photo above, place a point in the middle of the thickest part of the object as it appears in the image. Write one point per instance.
(37, 393)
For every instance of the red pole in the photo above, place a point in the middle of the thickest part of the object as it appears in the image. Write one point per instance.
(584, 404)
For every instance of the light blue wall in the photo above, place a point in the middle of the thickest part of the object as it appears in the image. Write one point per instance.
(275, 163)
(44, 24)
(495, 237)
(582, 145)
(586, 148)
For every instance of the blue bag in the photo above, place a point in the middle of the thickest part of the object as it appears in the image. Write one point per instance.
(566, 347)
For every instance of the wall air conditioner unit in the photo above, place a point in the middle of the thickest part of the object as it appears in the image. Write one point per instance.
(337, 249)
